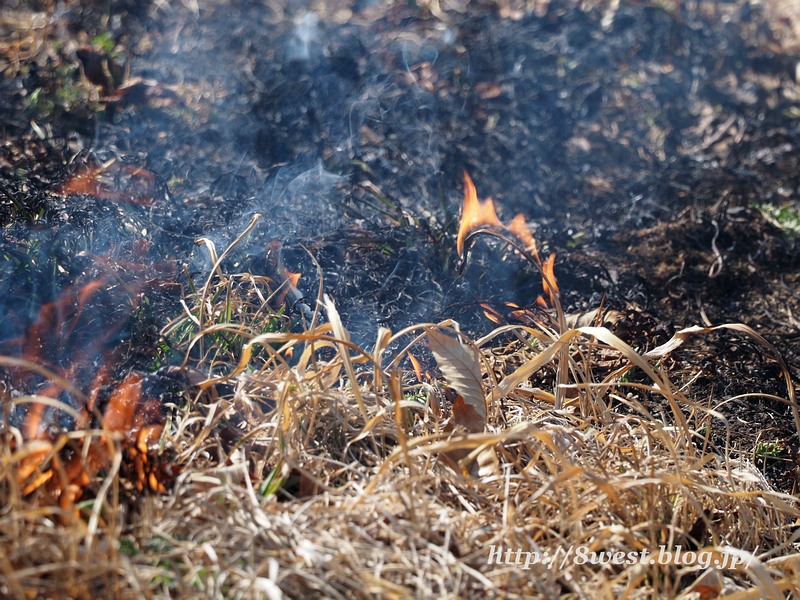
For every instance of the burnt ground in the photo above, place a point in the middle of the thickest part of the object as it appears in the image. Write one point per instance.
(640, 143)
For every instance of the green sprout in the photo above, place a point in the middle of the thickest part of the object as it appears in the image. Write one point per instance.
(773, 449)
(785, 218)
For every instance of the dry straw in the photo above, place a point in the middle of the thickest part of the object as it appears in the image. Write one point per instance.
(311, 467)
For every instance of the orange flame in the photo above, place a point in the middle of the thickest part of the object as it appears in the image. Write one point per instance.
(120, 183)
(288, 280)
(550, 275)
(520, 229)
(121, 412)
(63, 338)
(491, 314)
(294, 278)
(474, 214)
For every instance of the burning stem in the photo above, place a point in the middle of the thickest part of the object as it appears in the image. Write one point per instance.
(563, 358)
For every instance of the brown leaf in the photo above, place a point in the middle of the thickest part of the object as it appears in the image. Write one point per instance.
(488, 90)
(460, 366)
(582, 319)
(308, 487)
(417, 366)
(467, 417)
(706, 592)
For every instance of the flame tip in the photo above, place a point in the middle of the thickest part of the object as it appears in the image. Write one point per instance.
(474, 213)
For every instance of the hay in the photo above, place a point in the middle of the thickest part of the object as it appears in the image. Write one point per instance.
(291, 486)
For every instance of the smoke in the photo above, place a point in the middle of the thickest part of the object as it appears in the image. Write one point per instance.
(360, 117)
(304, 44)
(303, 205)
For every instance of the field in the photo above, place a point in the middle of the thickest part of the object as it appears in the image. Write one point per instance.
(264, 333)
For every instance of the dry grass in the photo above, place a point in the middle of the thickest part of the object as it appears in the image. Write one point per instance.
(784, 16)
(313, 468)
(333, 472)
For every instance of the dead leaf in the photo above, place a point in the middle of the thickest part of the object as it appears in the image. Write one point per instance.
(706, 592)
(460, 365)
(582, 319)
(416, 365)
(488, 90)
(467, 416)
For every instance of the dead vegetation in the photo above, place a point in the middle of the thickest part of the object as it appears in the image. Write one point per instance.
(305, 466)
(296, 463)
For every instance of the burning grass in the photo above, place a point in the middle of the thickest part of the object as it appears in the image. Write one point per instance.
(312, 467)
